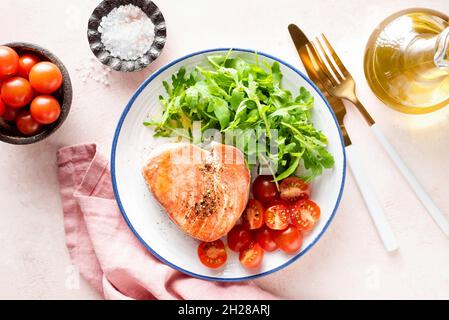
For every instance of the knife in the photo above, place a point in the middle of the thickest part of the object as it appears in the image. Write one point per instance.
(374, 207)
(300, 40)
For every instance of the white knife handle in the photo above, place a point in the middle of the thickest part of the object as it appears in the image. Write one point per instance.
(439, 217)
(374, 207)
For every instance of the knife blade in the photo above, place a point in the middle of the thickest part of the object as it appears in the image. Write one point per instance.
(301, 42)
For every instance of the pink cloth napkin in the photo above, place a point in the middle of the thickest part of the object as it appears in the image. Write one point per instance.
(105, 250)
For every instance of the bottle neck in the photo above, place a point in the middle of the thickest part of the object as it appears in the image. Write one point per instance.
(441, 56)
(429, 55)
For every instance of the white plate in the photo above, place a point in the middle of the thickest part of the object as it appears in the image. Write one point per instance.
(133, 142)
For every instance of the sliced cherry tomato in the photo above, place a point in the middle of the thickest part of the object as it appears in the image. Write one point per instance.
(293, 189)
(16, 92)
(264, 189)
(252, 217)
(2, 107)
(288, 240)
(277, 215)
(251, 256)
(9, 61)
(45, 77)
(264, 236)
(26, 62)
(26, 124)
(45, 109)
(212, 254)
(10, 114)
(238, 238)
(304, 214)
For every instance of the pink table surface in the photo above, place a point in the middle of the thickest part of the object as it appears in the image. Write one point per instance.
(348, 262)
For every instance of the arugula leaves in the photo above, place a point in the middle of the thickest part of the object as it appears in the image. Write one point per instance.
(236, 95)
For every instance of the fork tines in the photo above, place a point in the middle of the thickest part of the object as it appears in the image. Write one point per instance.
(326, 62)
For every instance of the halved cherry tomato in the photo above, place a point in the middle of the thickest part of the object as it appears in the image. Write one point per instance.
(26, 62)
(45, 109)
(9, 61)
(26, 124)
(10, 114)
(264, 236)
(238, 238)
(293, 189)
(212, 254)
(252, 217)
(16, 92)
(264, 189)
(45, 77)
(304, 214)
(251, 256)
(288, 240)
(2, 107)
(277, 215)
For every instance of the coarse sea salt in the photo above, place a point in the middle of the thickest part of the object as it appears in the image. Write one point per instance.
(127, 32)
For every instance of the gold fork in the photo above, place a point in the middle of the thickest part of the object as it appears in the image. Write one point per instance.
(338, 82)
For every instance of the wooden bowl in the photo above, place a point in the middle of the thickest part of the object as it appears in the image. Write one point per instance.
(8, 131)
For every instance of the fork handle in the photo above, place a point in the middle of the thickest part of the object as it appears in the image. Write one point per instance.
(375, 209)
(426, 200)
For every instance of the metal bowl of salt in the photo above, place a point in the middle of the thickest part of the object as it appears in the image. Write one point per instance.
(127, 35)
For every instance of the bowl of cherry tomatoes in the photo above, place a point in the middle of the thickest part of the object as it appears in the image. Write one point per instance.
(35, 93)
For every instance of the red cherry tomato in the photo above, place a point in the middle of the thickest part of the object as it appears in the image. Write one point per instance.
(26, 62)
(45, 109)
(288, 240)
(10, 114)
(264, 236)
(9, 61)
(2, 107)
(45, 77)
(212, 254)
(238, 238)
(16, 92)
(277, 215)
(264, 189)
(26, 124)
(304, 214)
(252, 217)
(293, 189)
(251, 256)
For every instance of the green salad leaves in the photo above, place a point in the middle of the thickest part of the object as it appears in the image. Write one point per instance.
(233, 95)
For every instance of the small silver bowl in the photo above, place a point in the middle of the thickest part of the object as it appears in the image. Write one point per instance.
(105, 57)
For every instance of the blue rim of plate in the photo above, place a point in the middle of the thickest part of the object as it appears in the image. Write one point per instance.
(117, 195)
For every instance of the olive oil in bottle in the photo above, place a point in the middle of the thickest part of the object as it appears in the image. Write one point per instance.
(407, 61)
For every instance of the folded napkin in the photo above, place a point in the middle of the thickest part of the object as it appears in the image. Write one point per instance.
(105, 250)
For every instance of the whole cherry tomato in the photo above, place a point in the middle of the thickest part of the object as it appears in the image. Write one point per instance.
(26, 62)
(45, 109)
(45, 77)
(264, 189)
(16, 92)
(26, 124)
(10, 114)
(238, 238)
(264, 236)
(9, 61)
(288, 240)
